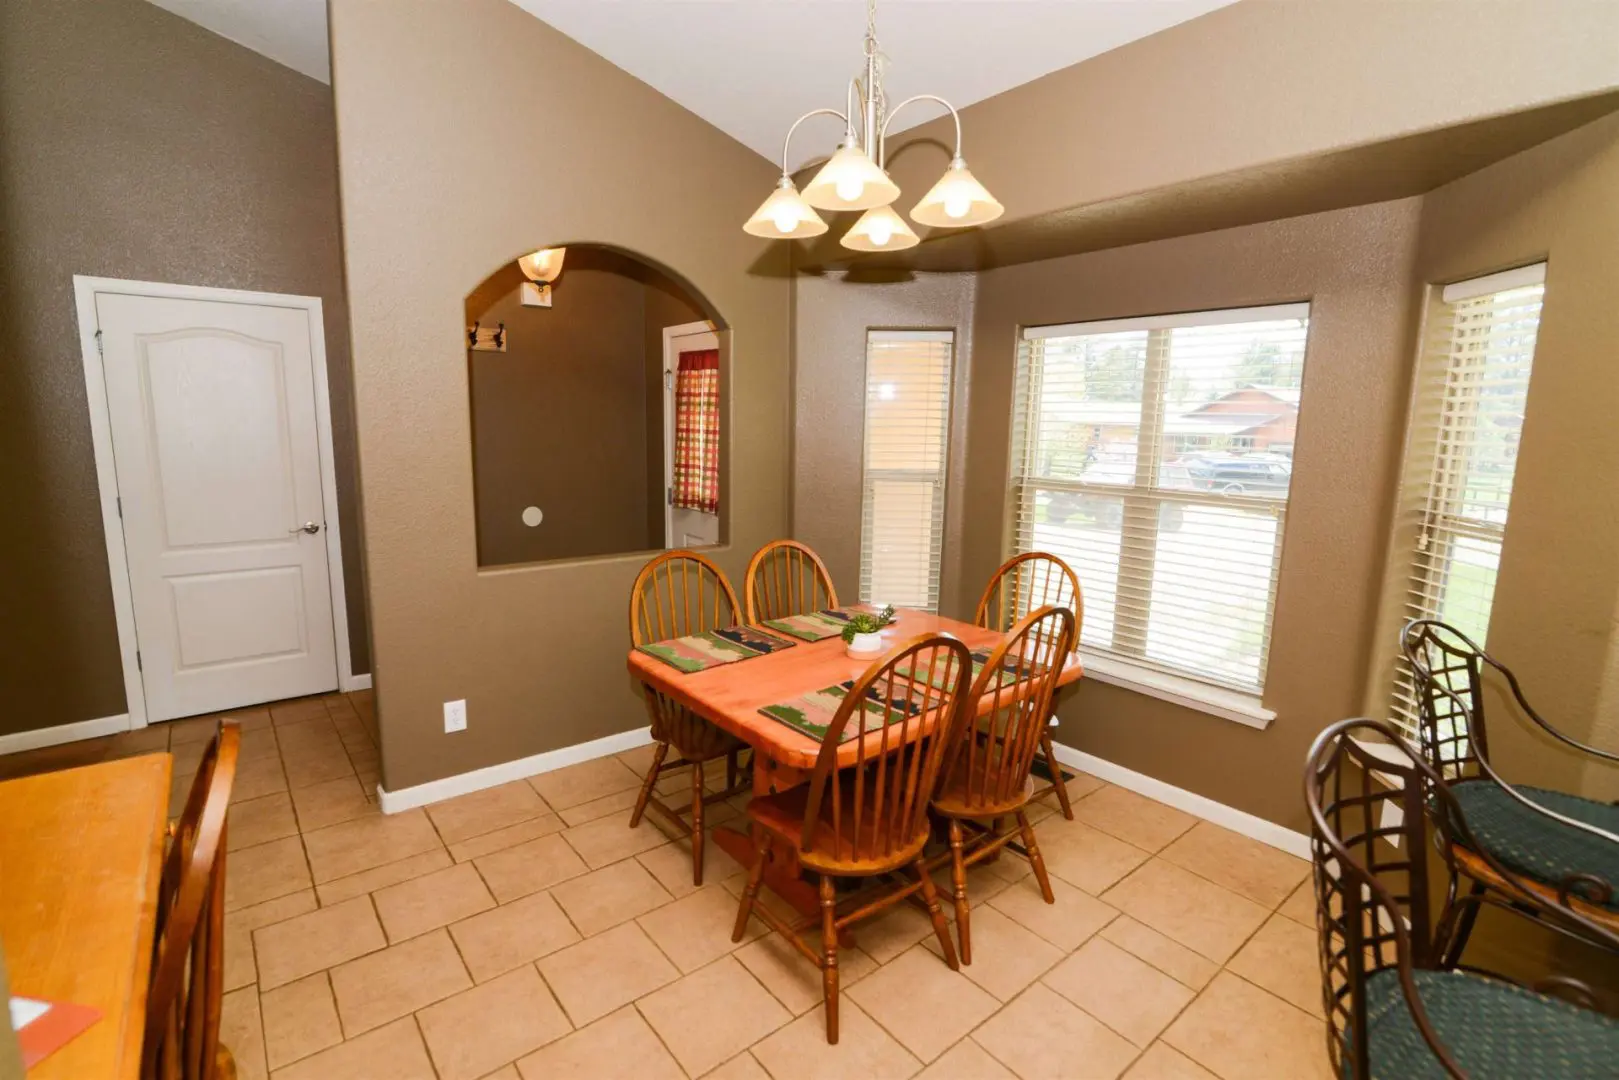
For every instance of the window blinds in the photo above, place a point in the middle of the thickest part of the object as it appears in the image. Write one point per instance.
(907, 432)
(1155, 455)
(1472, 382)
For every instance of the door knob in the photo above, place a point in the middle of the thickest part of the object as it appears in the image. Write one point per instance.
(309, 527)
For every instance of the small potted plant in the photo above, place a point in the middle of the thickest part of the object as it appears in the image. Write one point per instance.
(863, 636)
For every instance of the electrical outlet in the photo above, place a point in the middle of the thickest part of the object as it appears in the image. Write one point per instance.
(455, 716)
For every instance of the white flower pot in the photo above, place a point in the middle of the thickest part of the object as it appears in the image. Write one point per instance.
(865, 646)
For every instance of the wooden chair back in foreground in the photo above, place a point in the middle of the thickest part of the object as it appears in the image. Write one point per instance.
(986, 769)
(188, 964)
(1023, 584)
(786, 578)
(870, 818)
(676, 594)
(1395, 1006)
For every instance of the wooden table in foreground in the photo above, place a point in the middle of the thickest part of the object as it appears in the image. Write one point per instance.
(731, 696)
(81, 853)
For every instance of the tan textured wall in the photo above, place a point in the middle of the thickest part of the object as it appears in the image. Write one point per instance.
(571, 374)
(831, 316)
(1263, 82)
(456, 151)
(134, 144)
(1354, 267)
(1557, 596)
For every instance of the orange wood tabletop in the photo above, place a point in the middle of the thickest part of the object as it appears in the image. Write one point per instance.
(81, 853)
(731, 695)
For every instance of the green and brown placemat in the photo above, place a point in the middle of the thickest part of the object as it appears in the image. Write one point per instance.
(698, 652)
(819, 625)
(812, 713)
(1006, 676)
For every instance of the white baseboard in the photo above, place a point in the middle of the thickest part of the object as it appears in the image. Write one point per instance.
(392, 802)
(356, 682)
(1238, 821)
(65, 733)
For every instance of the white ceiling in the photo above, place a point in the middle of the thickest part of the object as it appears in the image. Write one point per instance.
(750, 67)
(290, 32)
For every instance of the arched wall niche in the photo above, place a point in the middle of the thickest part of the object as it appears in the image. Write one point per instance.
(570, 412)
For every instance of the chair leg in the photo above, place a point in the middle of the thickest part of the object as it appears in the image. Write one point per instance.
(1035, 858)
(750, 893)
(646, 785)
(930, 896)
(829, 956)
(958, 884)
(1464, 927)
(730, 770)
(697, 823)
(1056, 774)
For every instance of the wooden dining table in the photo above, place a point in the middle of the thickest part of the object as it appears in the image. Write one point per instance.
(81, 855)
(731, 695)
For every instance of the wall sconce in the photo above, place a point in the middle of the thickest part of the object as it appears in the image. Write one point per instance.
(541, 268)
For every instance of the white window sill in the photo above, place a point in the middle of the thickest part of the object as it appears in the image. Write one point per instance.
(1215, 700)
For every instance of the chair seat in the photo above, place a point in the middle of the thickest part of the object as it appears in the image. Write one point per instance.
(953, 801)
(1492, 1030)
(783, 814)
(1542, 850)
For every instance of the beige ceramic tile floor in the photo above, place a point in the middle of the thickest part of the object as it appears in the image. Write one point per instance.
(526, 932)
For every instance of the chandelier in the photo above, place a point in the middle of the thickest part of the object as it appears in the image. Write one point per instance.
(854, 177)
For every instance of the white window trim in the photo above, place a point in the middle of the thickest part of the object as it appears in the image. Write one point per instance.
(1473, 288)
(1245, 709)
(1220, 317)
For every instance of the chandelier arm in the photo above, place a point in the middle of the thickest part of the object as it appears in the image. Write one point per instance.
(882, 141)
(788, 141)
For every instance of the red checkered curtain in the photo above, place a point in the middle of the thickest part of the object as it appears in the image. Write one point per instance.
(697, 432)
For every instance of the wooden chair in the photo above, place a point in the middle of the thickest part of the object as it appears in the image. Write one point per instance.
(786, 578)
(868, 819)
(1562, 846)
(680, 593)
(986, 771)
(1395, 1006)
(1022, 585)
(188, 963)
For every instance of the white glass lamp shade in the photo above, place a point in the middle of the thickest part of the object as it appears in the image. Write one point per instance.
(956, 201)
(880, 229)
(543, 265)
(850, 180)
(785, 216)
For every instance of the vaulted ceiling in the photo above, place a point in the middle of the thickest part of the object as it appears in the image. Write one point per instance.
(749, 67)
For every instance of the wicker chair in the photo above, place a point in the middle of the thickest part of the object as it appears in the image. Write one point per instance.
(1024, 584)
(786, 578)
(986, 772)
(1395, 1008)
(680, 593)
(184, 999)
(868, 819)
(1562, 846)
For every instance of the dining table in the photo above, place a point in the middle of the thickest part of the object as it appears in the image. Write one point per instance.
(731, 696)
(81, 857)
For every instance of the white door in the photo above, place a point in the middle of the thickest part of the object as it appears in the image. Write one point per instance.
(684, 528)
(212, 410)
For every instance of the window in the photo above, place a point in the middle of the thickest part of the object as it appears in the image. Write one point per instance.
(902, 489)
(1471, 384)
(1155, 455)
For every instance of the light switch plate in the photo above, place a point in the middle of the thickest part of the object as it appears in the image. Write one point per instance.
(455, 716)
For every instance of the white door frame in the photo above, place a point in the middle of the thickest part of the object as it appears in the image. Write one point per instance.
(704, 326)
(85, 290)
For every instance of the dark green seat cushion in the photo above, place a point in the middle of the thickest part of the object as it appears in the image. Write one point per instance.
(1544, 850)
(1491, 1029)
